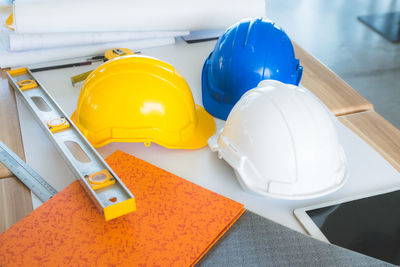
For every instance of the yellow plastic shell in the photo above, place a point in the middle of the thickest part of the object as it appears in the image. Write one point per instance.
(10, 22)
(141, 99)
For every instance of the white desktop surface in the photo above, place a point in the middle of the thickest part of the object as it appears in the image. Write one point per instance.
(368, 171)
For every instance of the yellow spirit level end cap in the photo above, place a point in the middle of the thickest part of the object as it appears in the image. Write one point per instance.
(119, 209)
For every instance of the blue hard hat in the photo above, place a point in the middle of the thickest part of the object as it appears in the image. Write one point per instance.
(248, 52)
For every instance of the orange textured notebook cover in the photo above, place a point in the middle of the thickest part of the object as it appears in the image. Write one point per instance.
(176, 222)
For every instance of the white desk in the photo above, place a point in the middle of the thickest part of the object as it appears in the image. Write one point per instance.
(368, 170)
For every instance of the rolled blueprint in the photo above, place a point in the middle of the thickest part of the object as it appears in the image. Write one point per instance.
(30, 41)
(47, 16)
(23, 58)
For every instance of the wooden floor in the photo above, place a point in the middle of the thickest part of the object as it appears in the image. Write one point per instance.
(15, 198)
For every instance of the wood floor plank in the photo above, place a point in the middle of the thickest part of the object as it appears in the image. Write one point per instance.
(339, 97)
(377, 132)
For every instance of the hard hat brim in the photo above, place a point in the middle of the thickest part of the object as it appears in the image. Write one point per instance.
(204, 129)
(242, 181)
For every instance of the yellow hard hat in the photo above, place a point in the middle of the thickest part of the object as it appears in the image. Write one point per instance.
(141, 99)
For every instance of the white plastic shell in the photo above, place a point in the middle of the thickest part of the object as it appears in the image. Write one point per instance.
(282, 143)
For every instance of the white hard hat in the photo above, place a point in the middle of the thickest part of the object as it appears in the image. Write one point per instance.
(281, 142)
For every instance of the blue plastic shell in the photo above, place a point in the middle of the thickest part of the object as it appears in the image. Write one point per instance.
(248, 52)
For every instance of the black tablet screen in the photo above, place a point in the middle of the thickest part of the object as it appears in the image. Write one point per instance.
(370, 225)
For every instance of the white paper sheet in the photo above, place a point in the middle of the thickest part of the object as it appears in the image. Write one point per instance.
(131, 15)
(20, 42)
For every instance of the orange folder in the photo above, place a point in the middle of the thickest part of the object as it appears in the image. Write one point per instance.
(176, 222)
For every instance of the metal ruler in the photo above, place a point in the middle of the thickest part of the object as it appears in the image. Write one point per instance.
(26, 174)
(101, 184)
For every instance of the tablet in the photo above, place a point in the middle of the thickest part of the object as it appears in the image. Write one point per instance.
(369, 224)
